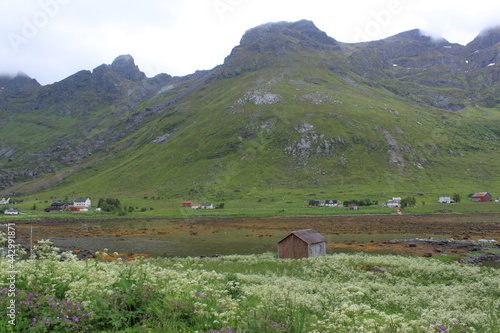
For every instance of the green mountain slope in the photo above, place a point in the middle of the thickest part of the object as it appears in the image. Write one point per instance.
(290, 110)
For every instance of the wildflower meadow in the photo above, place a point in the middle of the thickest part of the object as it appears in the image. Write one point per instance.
(252, 293)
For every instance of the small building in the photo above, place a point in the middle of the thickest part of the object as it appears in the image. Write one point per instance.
(445, 199)
(352, 206)
(195, 206)
(11, 211)
(393, 203)
(4, 201)
(481, 197)
(78, 209)
(305, 243)
(207, 206)
(59, 206)
(187, 203)
(82, 203)
(331, 203)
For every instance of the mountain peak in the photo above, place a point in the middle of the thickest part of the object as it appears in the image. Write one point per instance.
(414, 35)
(487, 38)
(126, 67)
(303, 30)
(19, 83)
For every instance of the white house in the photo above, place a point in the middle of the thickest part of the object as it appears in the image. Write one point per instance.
(445, 199)
(11, 211)
(4, 201)
(82, 203)
(332, 203)
(391, 203)
(207, 206)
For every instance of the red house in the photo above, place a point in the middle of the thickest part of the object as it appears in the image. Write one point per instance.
(481, 197)
(187, 203)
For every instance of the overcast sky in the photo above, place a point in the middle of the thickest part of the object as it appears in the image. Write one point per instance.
(50, 40)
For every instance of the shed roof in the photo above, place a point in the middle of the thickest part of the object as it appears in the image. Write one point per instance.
(307, 235)
(479, 194)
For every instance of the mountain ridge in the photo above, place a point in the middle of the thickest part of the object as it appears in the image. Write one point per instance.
(288, 98)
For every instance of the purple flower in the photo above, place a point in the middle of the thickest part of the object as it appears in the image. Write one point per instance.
(442, 329)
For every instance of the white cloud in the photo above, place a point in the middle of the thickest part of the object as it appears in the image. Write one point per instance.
(57, 38)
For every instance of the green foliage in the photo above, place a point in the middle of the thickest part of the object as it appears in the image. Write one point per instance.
(109, 205)
(408, 202)
(361, 202)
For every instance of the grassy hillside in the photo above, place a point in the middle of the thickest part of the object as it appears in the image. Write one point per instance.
(334, 135)
(289, 110)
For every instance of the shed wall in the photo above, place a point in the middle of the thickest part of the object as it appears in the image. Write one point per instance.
(317, 250)
(293, 247)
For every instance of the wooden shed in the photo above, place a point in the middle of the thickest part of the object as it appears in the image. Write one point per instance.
(302, 244)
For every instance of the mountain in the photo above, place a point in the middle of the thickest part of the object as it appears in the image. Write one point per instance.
(290, 110)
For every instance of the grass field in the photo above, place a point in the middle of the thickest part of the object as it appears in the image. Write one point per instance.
(253, 206)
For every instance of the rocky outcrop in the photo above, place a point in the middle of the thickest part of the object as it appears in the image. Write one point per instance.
(274, 43)
(21, 83)
(125, 66)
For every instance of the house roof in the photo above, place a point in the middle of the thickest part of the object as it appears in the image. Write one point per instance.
(81, 199)
(479, 194)
(187, 202)
(61, 203)
(307, 235)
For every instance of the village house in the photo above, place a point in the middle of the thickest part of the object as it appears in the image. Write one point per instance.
(11, 211)
(305, 243)
(445, 199)
(59, 206)
(207, 206)
(186, 203)
(481, 197)
(4, 201)
(81, 205)
(332, 203)
(393, 203)
(82, 202)
(352, 206)
(195, 206)
(324, 203)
